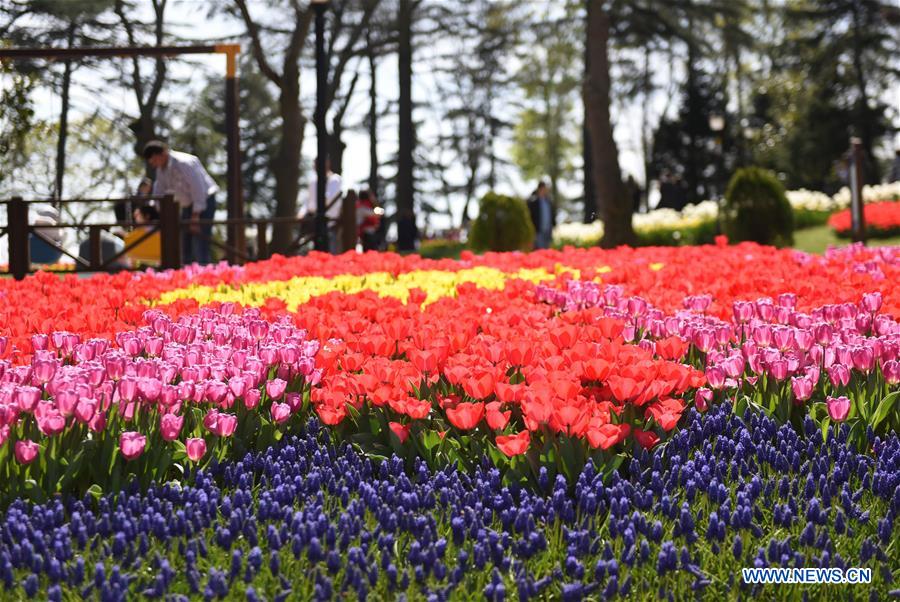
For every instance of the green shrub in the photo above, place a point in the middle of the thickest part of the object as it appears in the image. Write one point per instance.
(756, 209)
(503, 224)
(809, 218)
(441, 248)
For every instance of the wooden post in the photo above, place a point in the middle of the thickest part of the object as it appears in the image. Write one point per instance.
(95, 253)
(262, 245)
(170, 233)
(348, 223)
(17, 234)
(857, 212)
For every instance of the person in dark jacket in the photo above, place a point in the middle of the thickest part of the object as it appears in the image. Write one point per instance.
(543, 216)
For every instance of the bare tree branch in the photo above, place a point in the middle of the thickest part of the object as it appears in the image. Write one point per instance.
(258, 53)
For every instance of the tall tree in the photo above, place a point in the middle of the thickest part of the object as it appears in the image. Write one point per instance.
(546, 139)
(481, 37)
(69, 24)
(146, 88)
(860, 38)
(16, 117)
(293, 20)
(616, 206)
(406, 215)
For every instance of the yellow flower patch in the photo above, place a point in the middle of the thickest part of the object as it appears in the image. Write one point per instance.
(297, 291)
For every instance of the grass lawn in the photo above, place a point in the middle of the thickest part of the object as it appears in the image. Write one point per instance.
(818, 238)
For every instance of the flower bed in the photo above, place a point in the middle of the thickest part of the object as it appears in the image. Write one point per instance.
(882, 220)
(305, 520)
(513, 369)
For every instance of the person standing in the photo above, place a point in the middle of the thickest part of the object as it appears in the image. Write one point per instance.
(540, 206)
(334, 185)
(184, 177)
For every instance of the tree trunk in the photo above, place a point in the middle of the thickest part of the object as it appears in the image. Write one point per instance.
(286, 166)
(863, 129)
(406, 217)
(63, 122)
(590, 194)
(616, 205)
(646, 150)
(692, 171)
(336, 147)
(373, 125)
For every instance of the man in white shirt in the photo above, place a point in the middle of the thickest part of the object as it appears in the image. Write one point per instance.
(333, 189)
(184, 177)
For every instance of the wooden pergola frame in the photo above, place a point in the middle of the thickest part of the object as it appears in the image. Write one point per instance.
(235, 201)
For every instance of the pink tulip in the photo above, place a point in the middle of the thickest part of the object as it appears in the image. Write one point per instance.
(226, 425)
(702, 398)
(251, 398)
(743, 311)
(863, 358)
(715, 376)
(802, 387)
(824, 333)
(26, 398)
(804, 339)
(891, 369)
(838, 408)
(779, 369)
(216, 391)
(839, 375)
(66, 401)
(762, 335)
(39, 342)
(44, 370)
(170, 426)
(133, 346)
(51, 423)
(150, 388)
(237, 385)
(275, 388)
(132, 444)
(280, 412)
(85, 410)
(4, 434)
(97, 424)
(294, 401)
(787, 300)
(196, 449)
(765, 309)
(704, 339)
(211, 420)
(733, 366)
(783, 338)
(871, 302)
(26, 451)
(127, 389)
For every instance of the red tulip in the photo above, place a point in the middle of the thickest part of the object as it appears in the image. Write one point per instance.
(400, 430)
(607, 435)
(646, 439)
(480, 386)
(514, 445)
(465, 416)
(496, 419)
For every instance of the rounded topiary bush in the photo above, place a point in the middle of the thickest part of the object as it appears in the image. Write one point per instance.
(503, 224)
(756, 209)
